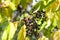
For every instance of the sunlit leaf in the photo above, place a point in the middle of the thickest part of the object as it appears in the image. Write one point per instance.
(9, 31)
(22, 33)
(0, 18)
(12, 6)
(16, 2)
(7, 12)
(5, 3)
(27, 38)
(58, 19)
(5, 33)
(13, 28)
(56, 35)
(43, 38)
(52, 6)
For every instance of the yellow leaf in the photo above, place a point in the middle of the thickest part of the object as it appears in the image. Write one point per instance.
(22, 33)
(16, 2)
(4, 36)
(12, 6)
(58, 19)
(27, 38)
(5, 3)
(13, 28)
(43, 38)
(56, 35)
(7, 12)
(58, 23)
(52, 6)
(0, 18)
(9, 31)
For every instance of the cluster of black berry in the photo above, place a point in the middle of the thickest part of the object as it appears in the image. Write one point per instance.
(41, 15)
(31, 26)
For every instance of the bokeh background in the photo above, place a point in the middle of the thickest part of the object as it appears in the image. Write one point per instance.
(29, 19)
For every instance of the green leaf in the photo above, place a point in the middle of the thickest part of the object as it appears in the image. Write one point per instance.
(5, 33)
(35, 7)
(42, 27)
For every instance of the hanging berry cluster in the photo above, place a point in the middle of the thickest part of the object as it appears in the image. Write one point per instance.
(41, 15)
(30, 22)
(32, 26)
